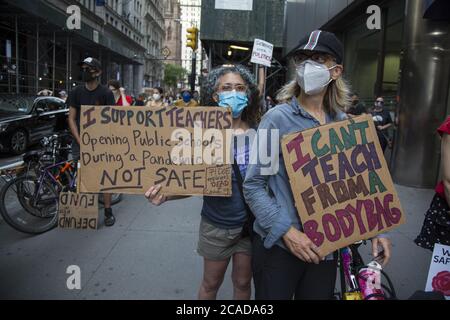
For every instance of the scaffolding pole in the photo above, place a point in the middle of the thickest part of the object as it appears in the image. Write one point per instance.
(17, 55)
(37, 57)
(67, 64)
(54, 62)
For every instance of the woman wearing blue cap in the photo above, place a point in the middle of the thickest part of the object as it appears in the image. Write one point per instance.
(286, 263)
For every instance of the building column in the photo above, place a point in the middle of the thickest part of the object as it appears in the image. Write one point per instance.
(423, 91)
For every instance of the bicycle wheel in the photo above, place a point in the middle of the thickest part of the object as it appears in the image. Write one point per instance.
(26, 210)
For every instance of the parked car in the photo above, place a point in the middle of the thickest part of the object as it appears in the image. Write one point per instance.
(24, 121)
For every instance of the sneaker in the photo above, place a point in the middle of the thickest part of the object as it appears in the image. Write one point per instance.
(109, 217)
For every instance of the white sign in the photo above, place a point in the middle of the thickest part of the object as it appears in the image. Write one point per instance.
(262, 52)
(246, 5)
(439, 274)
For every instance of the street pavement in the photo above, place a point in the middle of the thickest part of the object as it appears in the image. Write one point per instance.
(150, 253)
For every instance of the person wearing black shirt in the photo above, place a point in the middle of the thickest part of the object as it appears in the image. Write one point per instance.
(90, 93)
(382, 119)
(357, 107)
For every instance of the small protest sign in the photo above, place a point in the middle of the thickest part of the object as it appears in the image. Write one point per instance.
(439, 274)
(78, 211)
(341, 184)
(262, 52)
(129, 149)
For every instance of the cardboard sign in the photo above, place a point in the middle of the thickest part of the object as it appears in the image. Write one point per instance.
(341, 183)
(78, 211)
(262, 52)
(129, 149)
(439, 274)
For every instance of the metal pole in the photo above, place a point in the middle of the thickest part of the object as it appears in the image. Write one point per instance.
(67, 63)
(194, 60)
(54, 61)
(37, 57)
(17, 55)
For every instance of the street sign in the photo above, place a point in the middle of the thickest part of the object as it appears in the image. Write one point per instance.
(262, 52)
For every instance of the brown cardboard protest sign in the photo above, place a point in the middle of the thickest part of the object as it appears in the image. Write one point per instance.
(341, 184)
(129, 149)
(78, 211)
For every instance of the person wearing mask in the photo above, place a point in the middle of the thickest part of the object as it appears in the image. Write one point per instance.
(286, 263)
(436, 226)
(90, 93)
(63, 95)
(140, 101)
(186, 100)
(120, 97)
(357, 108)
(382, 120)
(157, 100)
(222, 236)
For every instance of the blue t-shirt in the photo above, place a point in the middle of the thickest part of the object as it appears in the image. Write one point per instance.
(230, 212)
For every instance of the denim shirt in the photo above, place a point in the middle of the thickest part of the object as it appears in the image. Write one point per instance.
(269, 196)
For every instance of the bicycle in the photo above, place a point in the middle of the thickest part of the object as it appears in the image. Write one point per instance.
(29, 201)
(350, 264)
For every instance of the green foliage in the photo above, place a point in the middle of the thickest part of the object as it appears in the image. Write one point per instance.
(173, 74)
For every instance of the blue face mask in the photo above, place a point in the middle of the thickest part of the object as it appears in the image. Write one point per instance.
(236, 100)
(186, 97)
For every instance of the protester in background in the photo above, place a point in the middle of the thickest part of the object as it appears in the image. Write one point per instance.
(63, 95)
(120, 97)
(286, 263)
(186, 100)
(196, 96)
(382, 119)
(90, 93)
(157, 100)
(45, 93)
(436, 227)
(140, 101)
(269, 103)
(357, 108)
(222, 235)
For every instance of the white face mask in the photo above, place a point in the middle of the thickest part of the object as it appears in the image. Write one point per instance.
(313, 77)
(156, 97)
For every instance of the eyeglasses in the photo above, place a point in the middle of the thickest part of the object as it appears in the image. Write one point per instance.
(230, 87)
(317, 57)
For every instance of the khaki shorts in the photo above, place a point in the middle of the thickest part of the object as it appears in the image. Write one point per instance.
(220, 244)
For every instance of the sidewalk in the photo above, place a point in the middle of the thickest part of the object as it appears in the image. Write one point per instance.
(150, 254)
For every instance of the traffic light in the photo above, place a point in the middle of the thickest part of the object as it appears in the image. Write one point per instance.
(192, 38)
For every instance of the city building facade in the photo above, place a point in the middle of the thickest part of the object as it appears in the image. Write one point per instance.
(173, 38)
(190, 17)
(405, 59)
(229, 29)
(41, 42)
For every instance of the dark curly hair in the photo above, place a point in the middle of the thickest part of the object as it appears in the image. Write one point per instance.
(252, 113)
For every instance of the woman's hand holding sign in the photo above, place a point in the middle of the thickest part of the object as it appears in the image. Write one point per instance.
(385, 254)
(301, 246)
(153, 197)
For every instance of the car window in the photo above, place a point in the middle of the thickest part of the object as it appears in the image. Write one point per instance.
(15, 104)
(54, 105)
(49, 105)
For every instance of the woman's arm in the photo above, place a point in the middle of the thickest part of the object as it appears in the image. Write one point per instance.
(125, 102)
(261, 79)
(266, 209)
(157, 199)
(445, 160)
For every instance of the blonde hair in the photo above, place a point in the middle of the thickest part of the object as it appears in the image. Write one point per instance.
(337, 96)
